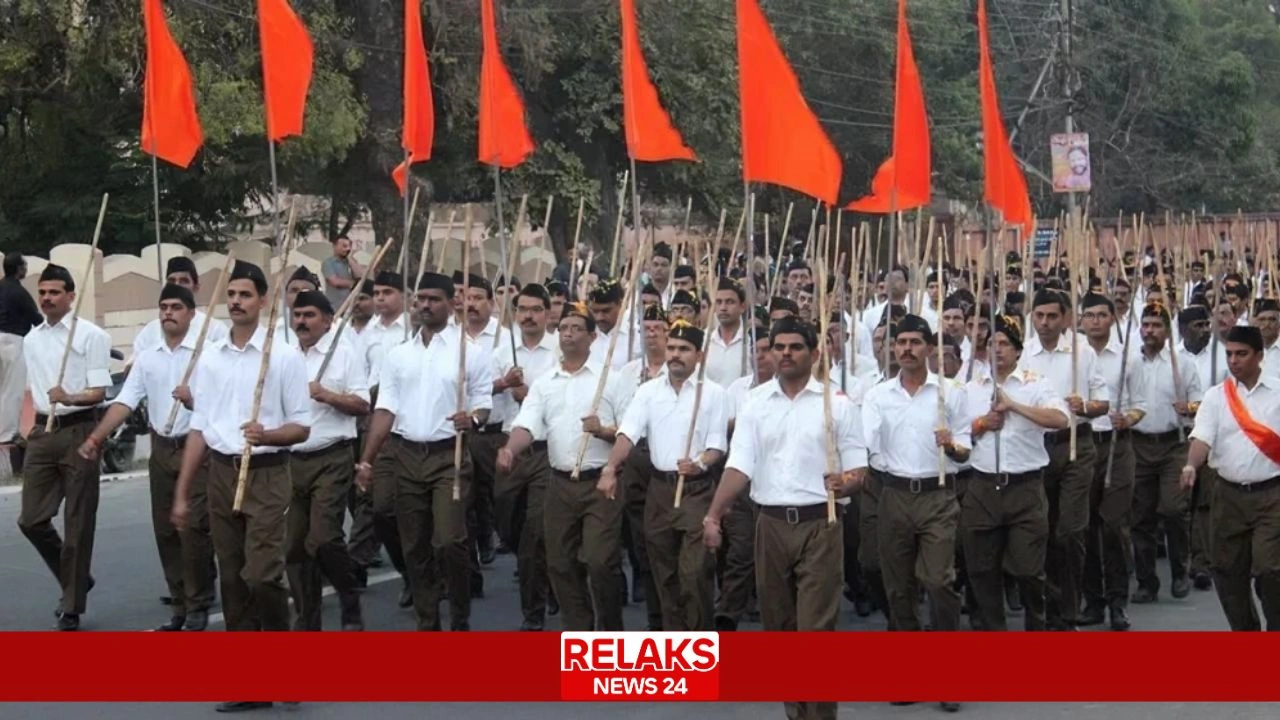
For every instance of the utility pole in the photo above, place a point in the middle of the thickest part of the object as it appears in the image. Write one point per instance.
(1068, 77)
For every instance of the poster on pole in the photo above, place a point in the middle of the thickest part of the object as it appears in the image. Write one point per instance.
(1071, 167)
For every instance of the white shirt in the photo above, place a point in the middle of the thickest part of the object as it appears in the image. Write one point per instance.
(224, 387)
(780, 444)
(1213, 370)
(865, 374)
(600, 348)
(1109, 364)
(1021, 441)
(660, 414)
(535, 362)
(726, 362)
(874, 314)
(1232, 453)
(87, 364)
(737, 395)
(345, 375)
(1271, 359)
(155, 373)
(1055, 367)
(899, 427)
(554, 409)
(152, 334)
(1158, 389)
(378, 339)
(419, 385)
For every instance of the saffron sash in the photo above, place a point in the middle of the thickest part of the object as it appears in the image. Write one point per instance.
(1260, 435)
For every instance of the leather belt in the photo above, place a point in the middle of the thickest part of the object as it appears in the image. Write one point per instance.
(1164, 437)
(490, 429)
(583, 475)
(430, 446)
(1253, 486)
(674, 477)
(264, 460)
(917, 485)
(538, 446)
(1060, 436)
(794, 515)
(309, 454)
(1005, 479)
(1104, 436)
(78, 417)
(173, 443)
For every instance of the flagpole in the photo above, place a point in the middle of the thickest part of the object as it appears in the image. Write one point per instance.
(995, 289)
(635, 296)
(404, 247)
(888, 304)
(502, 255)
(749, 202)
(155, 201)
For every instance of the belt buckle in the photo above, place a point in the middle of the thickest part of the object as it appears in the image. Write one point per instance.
(1002, 480)
(793, 516)
(915, 486)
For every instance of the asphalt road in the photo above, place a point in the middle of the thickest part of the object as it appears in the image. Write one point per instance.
(129, 584)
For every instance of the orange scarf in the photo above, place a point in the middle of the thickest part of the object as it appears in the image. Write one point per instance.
(1260, 435)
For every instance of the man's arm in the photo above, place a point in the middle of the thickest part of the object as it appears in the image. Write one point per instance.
(295, 402)
(379, 428)
(192, 458)
(355, 399)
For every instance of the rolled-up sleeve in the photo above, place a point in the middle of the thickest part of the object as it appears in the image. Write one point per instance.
(1208, 418)
(531, 415)
(389, 383)
(742, 449)
(97, 360)
(635, 421)
(133, 390)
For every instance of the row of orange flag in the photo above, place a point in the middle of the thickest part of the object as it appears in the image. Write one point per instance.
(783, 142)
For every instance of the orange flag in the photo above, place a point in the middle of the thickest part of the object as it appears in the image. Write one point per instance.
(287, 56)
(650, 135)
(504, 138)
(1005, 187)
(902, 182)
(170, 126)
(782, 141)
(419, 111)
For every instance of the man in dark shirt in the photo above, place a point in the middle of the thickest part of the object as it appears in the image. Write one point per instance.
(18, 314)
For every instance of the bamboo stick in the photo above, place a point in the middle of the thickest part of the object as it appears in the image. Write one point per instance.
(542, 244)
(460, 395)
(833, 461)
(510, 270)
(617, 228)
(573, 251)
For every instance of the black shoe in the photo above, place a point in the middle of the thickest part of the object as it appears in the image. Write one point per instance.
(637, 590)
(1180, 588)
(1202, 581)
(862, 606)
(362, 577)
(463, 626)
(1012, 597)
(175, 624)
(1143, 596)
(197, 620)
(949, 706)
(724, 623)
(487, 554)
(68, 622)
(477, 586)
(235, 707)
(1093, 614)
(406, 597)
(900, 703)
(166, 600)
(553, 605)
(1119, 619)
(376, 561)
(352, 620)
(531, 626)
(849, 592)
(503, 548)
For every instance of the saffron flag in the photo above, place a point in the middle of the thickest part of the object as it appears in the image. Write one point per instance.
(170, 126)
(650, 135)
(419, 110)
(504, 138)
(1005, 187)
(903, 181)
(782, 141)
(287, 58)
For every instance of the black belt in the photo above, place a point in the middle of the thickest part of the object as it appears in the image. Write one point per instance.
(78, 417)
(538, 446)
(917, 485)
(265, 460)
(173, 443)
(1005, 479)
(309, 454)
(490, 429)
(583, 475)
(1164, 437)
(1253, 486)
(1101, 436)
(430, 445)
(795, 515)
(1060, 436)
(672, 477)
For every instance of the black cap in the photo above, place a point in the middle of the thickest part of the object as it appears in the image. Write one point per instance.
(579, 310)
(57, 272)
(501, 282)
(390, 279)
(795, 326)
(649, 289)
(436, 281)
(458, 279)
(1247, 335)
(248, 271)
(555, 287)
(1156, 310)
(684, 297)
(653, 313)
(606, 292)
(781, 303)
(314, 299)
(366, 288)
(914, 324)
(181, 264)
(475, 281)
(952, 302)
(683, 271)
(662, 250)
(1011, 327)
(1266, 305)
(179, 293)
(1094, 299)
(682, 330)
(1193, 313)
(302, 273)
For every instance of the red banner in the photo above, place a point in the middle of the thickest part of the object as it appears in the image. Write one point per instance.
(748, 667)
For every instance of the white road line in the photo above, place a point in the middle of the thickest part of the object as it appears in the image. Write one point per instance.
(108, 478)
(327, 592)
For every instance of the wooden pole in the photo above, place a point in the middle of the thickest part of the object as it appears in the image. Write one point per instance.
(942, 376)
(218, 290)
(75, 313)
(461, 393)
(277, 288)
(510, 270)
(711, 327)
(617, 228)
(573, 251)
(824, 363)
(546, 239)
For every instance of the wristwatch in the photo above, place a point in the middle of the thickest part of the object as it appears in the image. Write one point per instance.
(697, 462)
(475, 424)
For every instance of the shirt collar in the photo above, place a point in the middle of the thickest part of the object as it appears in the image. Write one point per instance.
(256, 342)
(590, 366)
(64, 322)
(400, 321)
(930, 379)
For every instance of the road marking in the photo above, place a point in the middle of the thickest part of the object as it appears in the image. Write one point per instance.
(327, 592)
(108, 478)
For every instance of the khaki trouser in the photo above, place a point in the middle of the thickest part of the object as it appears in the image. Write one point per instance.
(635, 486)
(683, 567)
(55, 472)
(1201, 527)
(433, 528)
(251, 545)
(1246, 545)
(480, 511)
(1066, 486)
(584, 537)
(1005, 530)
(382, 501)
(321, 483)
(798, 583)
(918, 549)
(519, 502)
(186, 556)
(868, 508)
(13, 383)
(737, 559)
(1159, 499)
(1108, 544)
(362, 541)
